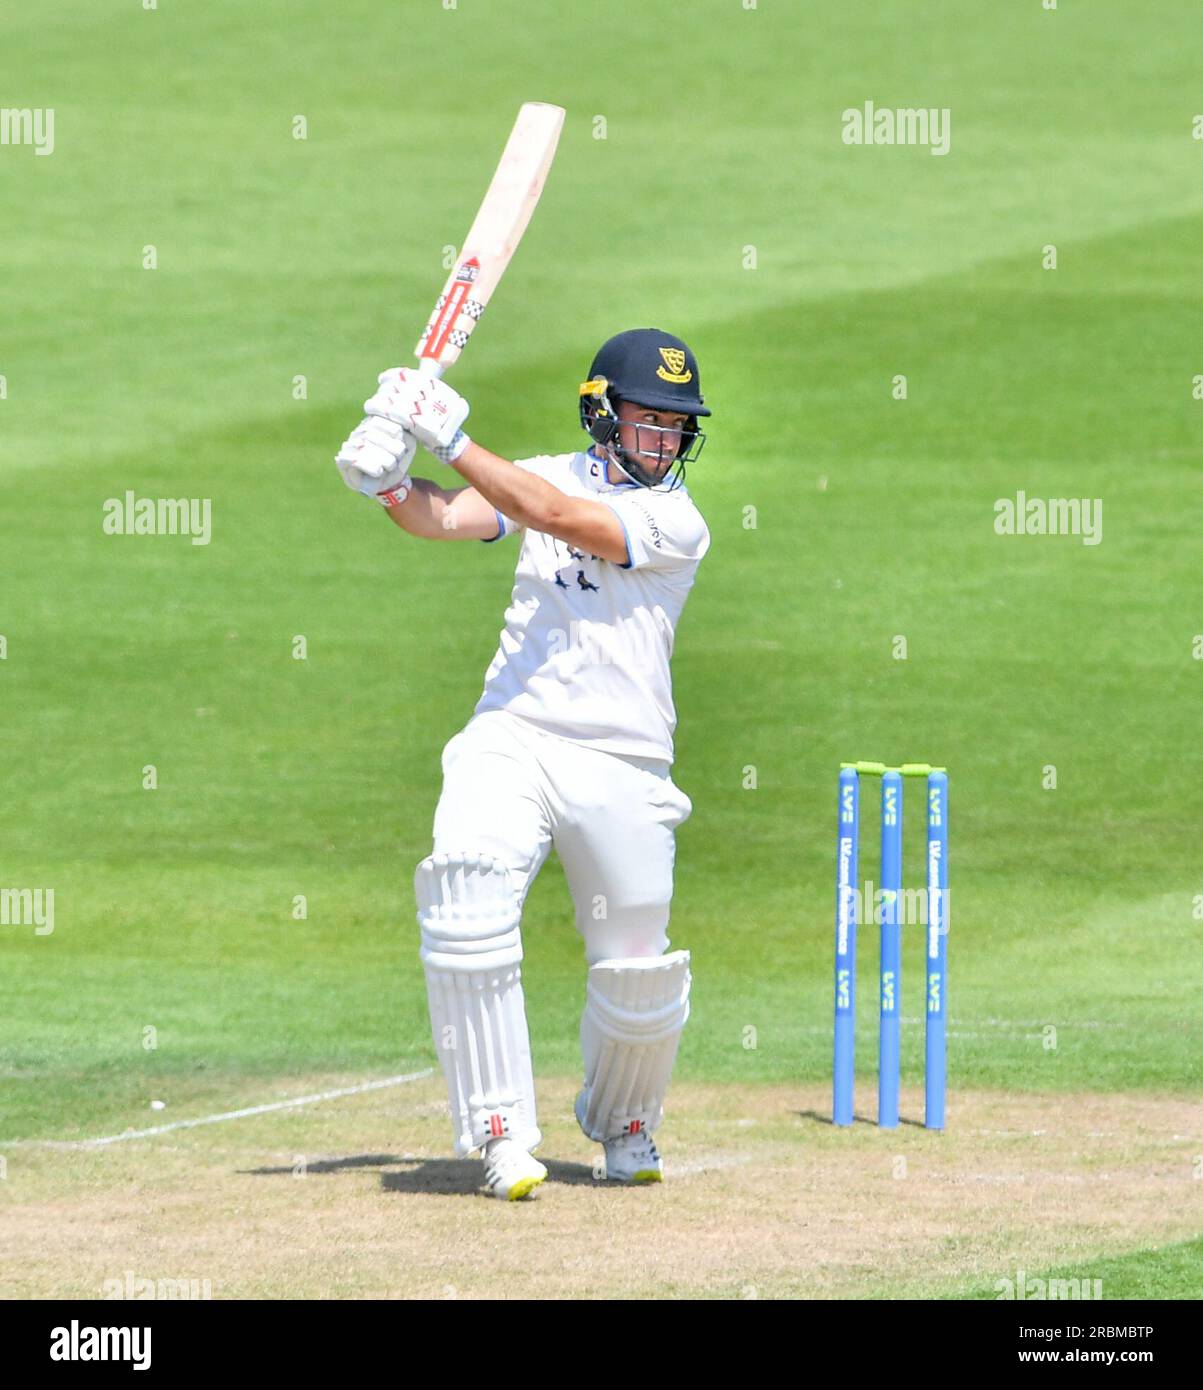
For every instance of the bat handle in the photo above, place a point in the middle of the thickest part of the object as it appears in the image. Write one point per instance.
(429, 367)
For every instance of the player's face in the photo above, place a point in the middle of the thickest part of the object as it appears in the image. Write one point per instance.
(653, 436)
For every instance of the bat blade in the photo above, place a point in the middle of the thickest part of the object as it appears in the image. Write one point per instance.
(494, 235)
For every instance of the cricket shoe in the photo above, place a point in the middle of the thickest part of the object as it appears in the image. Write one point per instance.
(510, 1172)
(630, 1158)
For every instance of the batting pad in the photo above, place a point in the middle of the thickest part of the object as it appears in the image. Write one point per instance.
(471, 948)
(634, 1013)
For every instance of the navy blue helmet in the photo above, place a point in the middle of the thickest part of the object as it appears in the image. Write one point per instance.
(647, 367)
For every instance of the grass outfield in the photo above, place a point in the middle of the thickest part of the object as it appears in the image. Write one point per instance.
(1077, 925)
(1167, 1271)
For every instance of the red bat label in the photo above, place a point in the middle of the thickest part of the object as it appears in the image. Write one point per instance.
(440, 330)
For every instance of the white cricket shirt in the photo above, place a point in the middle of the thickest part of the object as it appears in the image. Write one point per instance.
(586, 644)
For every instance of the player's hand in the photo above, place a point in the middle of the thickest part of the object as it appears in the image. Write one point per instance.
(375, 460)
(424, 406)
(376, 447)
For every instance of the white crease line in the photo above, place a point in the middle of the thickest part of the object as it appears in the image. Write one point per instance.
(215, 1119)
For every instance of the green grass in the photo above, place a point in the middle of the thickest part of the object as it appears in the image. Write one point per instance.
(278, 259)
(1168, 1271)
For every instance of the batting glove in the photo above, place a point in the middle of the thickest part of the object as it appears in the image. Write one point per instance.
(425, 407)
(375, 460)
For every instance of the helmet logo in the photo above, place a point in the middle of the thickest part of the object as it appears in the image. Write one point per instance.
(674, 360)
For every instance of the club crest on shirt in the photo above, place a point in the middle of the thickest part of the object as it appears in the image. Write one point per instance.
(577, 580)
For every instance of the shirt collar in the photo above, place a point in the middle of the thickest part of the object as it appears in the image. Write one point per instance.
(594, 470)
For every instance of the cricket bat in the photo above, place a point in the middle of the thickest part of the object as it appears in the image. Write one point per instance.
(494, 235)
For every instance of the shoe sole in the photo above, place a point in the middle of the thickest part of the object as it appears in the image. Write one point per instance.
(523, 1188)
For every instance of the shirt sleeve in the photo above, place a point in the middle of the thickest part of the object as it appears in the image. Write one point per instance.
(663, 532)
(543, 465)
(505, 527)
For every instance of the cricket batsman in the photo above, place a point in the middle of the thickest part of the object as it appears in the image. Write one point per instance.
(570, 744)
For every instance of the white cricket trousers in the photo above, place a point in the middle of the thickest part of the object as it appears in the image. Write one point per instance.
(513, 791)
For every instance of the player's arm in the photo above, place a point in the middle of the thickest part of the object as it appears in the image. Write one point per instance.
(534, 502)
(442, 514)
(431, 412)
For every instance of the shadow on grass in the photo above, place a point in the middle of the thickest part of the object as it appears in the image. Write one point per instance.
(822, 1118)
(453, 1177)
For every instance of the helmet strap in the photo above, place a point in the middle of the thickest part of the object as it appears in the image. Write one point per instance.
(613, 452)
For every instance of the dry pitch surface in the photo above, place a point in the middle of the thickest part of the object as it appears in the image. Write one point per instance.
(763, 1198)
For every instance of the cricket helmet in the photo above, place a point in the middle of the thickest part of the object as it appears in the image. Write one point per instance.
(647, 367)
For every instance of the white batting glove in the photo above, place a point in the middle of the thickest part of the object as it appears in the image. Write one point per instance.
(375, 460)
(376, 447)
(425, 407)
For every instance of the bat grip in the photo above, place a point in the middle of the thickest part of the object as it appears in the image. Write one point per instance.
(429, 367)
